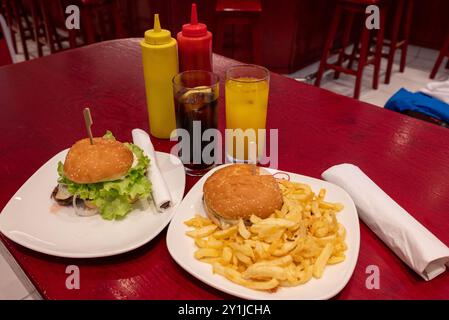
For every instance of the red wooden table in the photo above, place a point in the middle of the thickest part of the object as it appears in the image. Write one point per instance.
(40, 114)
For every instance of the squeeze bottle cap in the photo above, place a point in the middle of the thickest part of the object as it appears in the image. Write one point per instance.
(194, 29)
(157, 35)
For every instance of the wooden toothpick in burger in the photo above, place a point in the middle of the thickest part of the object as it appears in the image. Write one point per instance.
(89, 122)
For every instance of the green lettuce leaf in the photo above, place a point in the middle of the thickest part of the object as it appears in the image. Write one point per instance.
(114, 198)
(109, 135)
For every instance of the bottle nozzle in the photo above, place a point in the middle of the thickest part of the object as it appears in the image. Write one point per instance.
(194, 28)
(157, 35)
(193, 15)
(157, 23)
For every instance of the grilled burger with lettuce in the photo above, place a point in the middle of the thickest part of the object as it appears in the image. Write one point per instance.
(106, 177)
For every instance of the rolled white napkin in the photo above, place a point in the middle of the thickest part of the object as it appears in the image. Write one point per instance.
(161, 195)
(411, 241)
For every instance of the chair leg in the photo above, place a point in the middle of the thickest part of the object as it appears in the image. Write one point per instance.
(379, 46)
(21, 29)
(36, 27)
(25, 17)
(48, 27)
(89, 29)
(57, 37)
(394, 39)
(54, 29)
(132, 13)
(72, 38)
(353, 54)
(328, 45)
(408, 23)
(10, 21)
(439, 61)
(345, 42)
(102, 20)
(72, 33)
(437, 66)
(118, 24)
(364, 47)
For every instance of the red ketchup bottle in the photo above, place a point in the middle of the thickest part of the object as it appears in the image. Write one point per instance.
(194, 45)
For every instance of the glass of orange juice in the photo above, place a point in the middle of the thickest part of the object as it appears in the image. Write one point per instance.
(246, 96)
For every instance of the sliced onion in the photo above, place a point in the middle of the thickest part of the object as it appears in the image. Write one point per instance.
(62, 193)
(83, 211)
(61, 199)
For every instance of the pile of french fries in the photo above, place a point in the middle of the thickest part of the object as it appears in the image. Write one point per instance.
(286, 249)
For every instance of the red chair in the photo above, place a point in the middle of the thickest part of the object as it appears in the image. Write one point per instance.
(399, 34)
(18, 22)
(350, 10)
(48, 15)
(444, 52)
(235, 12)
(101, 20)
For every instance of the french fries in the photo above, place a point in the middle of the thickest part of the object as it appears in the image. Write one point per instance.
(289, 248)
(202, 232)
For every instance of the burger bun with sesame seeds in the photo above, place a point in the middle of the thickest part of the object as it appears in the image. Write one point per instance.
(104, 160)
(238, 191)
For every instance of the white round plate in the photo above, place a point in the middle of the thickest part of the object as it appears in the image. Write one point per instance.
(182, 247)
(29, 220)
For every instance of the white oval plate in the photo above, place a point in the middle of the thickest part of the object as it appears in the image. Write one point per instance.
(28, 220)
(182, 247)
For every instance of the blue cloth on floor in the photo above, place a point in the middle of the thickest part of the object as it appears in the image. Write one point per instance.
(404, 100)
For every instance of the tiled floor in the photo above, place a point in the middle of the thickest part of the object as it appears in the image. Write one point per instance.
(14, 284)
(419, 64)
(32, 48)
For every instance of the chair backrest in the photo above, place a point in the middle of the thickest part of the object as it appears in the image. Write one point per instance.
(7, 55)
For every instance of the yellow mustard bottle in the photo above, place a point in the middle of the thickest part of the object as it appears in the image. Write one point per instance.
(160, 65)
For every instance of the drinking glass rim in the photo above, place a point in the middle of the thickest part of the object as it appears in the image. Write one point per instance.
(255, 66)
(216, 78)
